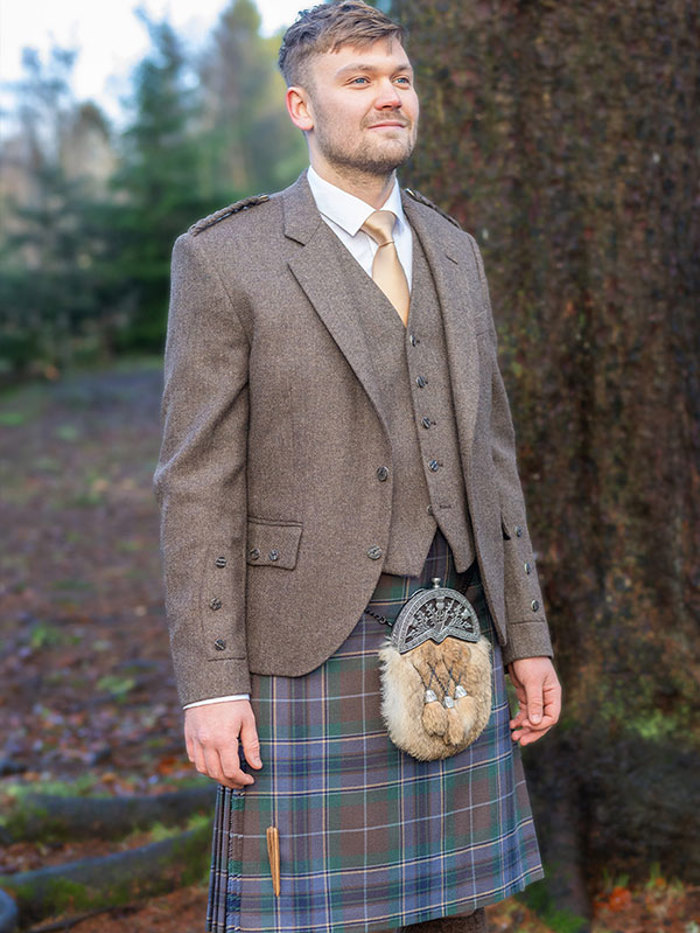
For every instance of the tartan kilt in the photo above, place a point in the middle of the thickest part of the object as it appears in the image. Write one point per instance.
(370, 838)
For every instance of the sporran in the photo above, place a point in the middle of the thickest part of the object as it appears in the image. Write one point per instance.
(436, 675)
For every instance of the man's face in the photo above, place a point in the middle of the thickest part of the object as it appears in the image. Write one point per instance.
(363, 109)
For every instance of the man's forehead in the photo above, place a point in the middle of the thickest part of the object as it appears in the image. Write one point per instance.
(367, 55)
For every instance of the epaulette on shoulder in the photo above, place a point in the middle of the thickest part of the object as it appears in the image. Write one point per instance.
(421, 198)
(229, 211)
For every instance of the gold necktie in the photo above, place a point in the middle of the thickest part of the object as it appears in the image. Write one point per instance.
(387, 270)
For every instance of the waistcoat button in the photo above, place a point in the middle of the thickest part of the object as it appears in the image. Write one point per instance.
(434, 466)
(421, 382)
(426, 422)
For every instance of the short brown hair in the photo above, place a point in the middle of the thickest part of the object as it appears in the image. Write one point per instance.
(327, 27)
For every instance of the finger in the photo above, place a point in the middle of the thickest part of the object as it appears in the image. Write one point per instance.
(534, 702)
(526, 734)
(251, 743)
(532, 735)
(231, 767)
(236, 779)
(552, 704)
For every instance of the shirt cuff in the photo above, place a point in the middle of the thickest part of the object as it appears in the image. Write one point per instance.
(237, 696)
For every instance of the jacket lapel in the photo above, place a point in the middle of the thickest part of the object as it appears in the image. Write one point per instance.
(317, 268)
(445, 248)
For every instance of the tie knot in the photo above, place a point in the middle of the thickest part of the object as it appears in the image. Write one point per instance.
(380, 226)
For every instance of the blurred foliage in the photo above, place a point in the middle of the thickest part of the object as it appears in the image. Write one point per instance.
(564, 136)
(89, 215)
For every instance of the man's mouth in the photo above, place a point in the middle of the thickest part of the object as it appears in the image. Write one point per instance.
(390, 123)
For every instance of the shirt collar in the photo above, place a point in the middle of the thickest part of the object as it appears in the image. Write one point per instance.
(347, 211)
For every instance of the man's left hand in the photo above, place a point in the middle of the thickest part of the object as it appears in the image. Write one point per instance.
(539, 698)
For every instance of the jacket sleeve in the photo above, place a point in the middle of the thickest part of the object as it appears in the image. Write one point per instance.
(200, 480)
(526, 624)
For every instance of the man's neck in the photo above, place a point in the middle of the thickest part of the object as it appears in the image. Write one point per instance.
(372, 189)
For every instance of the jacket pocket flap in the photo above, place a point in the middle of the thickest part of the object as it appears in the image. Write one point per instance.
(273, 544)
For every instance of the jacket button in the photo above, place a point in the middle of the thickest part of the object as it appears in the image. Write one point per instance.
(374, 553)
(528, 568)
(220, 561)
(414, 340)
(254, 553)
(219, 644)
(215, 603)
(274, 554)
(434, 466)
(535, 605)
(518, 531)
(382, 474)
(421, 382)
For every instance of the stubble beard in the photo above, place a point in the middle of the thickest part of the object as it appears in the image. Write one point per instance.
(363, 159)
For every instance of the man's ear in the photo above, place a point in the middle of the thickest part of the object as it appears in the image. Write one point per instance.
(299, 108)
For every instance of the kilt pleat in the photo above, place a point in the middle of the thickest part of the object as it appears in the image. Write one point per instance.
(370, 838)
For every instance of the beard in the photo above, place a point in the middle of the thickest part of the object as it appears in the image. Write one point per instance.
(378, 157)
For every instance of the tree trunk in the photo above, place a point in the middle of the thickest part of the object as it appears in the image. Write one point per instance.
(564, 136)
(110, 881)
(44, 817)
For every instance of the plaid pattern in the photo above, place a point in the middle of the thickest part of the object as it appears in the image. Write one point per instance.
(370, 838)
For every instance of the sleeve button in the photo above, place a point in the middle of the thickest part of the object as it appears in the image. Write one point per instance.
(254, 553)
(274, 554)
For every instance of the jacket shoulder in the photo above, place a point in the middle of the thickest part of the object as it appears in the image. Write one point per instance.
(236, 208)
(421, 199)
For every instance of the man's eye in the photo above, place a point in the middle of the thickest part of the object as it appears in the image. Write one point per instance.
(360, 80)
(403, 80)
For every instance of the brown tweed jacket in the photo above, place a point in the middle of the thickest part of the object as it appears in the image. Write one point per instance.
(273, 518)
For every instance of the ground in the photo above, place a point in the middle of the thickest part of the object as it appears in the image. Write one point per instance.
(87, 695)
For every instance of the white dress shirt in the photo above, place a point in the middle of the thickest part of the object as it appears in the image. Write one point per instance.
(345, 214)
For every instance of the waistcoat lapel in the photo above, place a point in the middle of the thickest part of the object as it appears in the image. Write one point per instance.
(316, 265)
(444, 250)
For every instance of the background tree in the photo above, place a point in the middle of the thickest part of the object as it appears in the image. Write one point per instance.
(161, 186)
(564, 136)
(47, 291)
(253, 145)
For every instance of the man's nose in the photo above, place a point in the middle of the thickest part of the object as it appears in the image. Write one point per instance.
(388, 97)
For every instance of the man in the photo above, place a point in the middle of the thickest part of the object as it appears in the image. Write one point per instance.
(336, 436)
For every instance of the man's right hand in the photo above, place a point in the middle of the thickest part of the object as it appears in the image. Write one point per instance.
(212, 733)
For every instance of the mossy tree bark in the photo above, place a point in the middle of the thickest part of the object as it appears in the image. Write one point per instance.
(563, 135)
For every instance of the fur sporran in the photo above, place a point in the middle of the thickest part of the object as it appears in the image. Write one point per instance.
(436, 675)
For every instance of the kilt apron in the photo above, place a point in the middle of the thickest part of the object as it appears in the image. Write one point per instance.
(370, 838)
